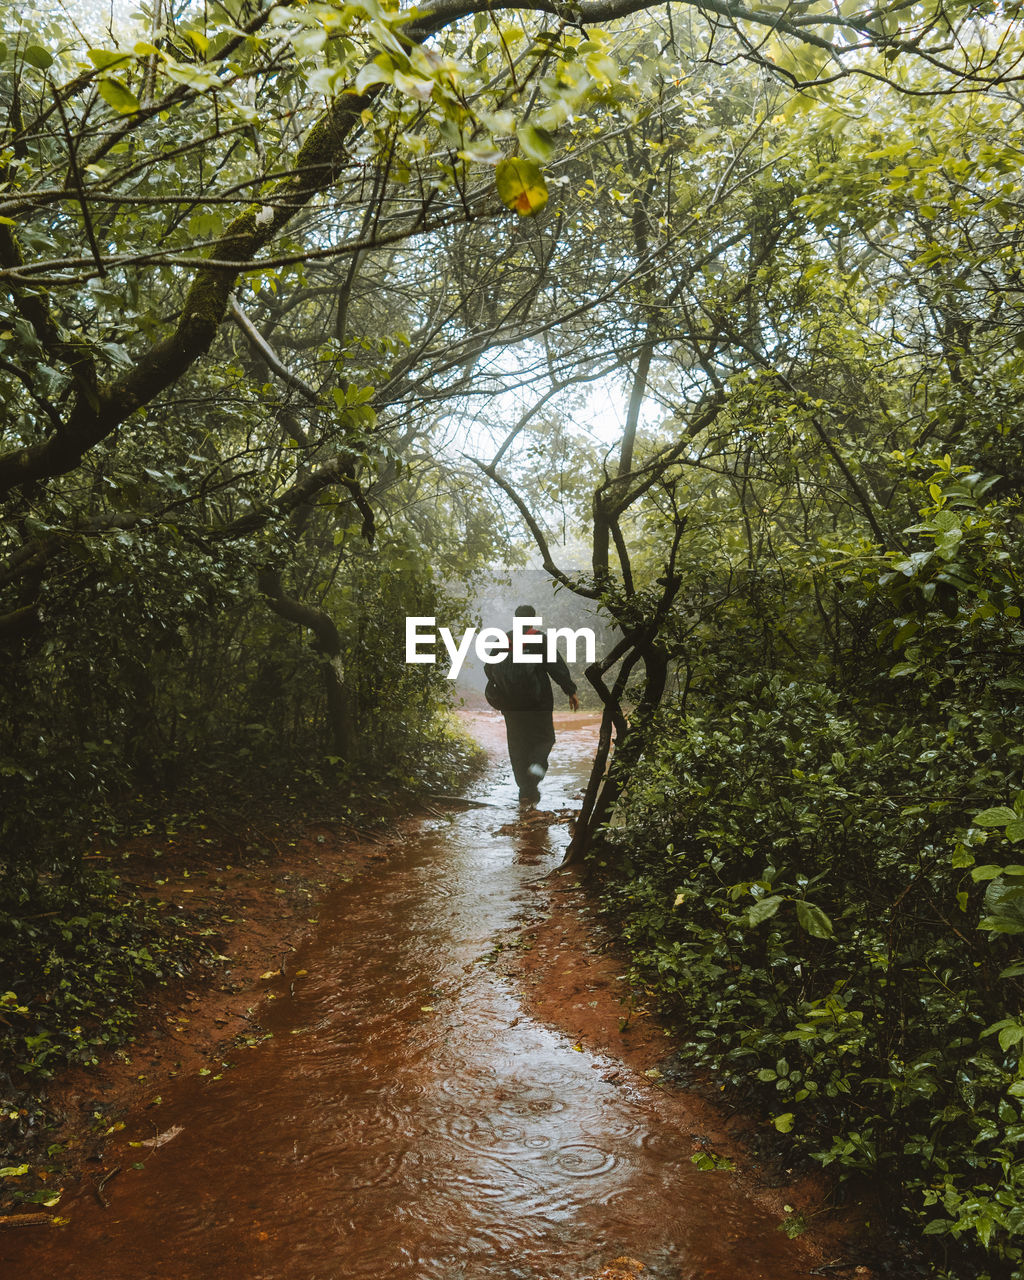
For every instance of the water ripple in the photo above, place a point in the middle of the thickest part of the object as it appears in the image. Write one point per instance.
(582, 1161)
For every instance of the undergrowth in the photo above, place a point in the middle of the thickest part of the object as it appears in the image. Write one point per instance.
(795, 886)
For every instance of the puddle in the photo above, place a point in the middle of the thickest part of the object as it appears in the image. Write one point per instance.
(406, 1118)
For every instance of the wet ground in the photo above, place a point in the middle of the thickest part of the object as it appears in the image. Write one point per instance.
(404, 1117)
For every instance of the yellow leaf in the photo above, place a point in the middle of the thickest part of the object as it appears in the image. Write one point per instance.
(521, 185)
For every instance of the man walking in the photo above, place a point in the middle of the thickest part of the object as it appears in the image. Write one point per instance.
(521, 691)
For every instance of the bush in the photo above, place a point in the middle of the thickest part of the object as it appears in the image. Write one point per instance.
(793, 880)
(77, 956)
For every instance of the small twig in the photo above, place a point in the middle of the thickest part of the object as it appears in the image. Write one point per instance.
(24, 1219)
(469, 804)
(102, 1183)
(347, 831)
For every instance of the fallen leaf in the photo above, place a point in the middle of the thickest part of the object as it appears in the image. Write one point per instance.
(162, 1138)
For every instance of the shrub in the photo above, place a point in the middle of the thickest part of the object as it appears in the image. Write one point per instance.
(793, 881)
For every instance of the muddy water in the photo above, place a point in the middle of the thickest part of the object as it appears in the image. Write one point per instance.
(406, 1118)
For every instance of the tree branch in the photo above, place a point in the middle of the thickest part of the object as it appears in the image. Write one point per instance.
(267, 353)
(537, 533)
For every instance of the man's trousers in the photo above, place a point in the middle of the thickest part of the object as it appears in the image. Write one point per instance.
(531, 735)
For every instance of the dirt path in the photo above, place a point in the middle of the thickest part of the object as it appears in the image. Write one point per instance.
(397, 1111)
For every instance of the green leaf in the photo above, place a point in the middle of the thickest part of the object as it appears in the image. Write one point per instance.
(947, 544)
(326, 80)
(1004, 900)
(380, 71)
(413, 86)
(1000, 816)
(764, 909)
(118, 95)
(37, 56)
(903, 669)
(536, 142)
(604, 70)
(708, 1161)
(962, 857)
(194, 77)
(521, 186)
(1009, 1036)
(785, 1122)
(813, 920)
(1015, 830)
(14, 1171)
(1016, 1090)
(1000, 924)
(481, 153)
(104, 58)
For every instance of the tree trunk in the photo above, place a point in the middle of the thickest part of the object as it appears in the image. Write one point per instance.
(327, 642)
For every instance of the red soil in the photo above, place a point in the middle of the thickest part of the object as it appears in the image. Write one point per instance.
(564, 960)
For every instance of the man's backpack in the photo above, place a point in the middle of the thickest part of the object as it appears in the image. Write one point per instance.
(515, 686)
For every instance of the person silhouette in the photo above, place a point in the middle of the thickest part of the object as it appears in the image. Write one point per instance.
(521, 691)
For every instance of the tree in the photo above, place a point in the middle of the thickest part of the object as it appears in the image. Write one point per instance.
(331, 157)
(773, 337)
(807, 835)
